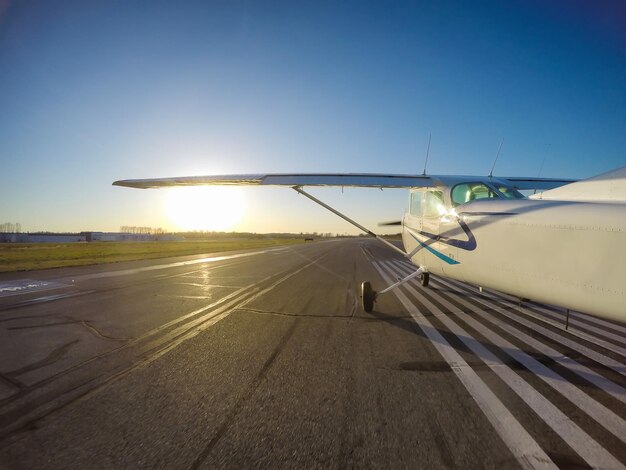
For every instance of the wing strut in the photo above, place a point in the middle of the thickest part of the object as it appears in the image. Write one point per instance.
(348, 219)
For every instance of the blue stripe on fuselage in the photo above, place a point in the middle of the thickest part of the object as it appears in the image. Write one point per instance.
(438, 254)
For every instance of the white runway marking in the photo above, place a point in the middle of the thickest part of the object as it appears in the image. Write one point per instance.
(581, 330)
(617, 349)
(525, 449)
(601, 322)
(454, 302)
(127, 272)
(557, 382)
(25, 286)
(600, 358)
(613, 389)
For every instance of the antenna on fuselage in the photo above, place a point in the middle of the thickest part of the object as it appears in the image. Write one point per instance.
(496, 160)
(541, 167)
(539, 172)
(427, 152)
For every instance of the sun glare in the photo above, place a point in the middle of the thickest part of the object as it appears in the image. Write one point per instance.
(205, 207)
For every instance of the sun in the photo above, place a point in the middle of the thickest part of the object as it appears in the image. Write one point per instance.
(205, 207)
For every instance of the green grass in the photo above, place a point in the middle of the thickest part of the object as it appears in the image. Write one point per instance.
(29, 256)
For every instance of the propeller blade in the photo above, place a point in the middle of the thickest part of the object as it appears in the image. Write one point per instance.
(386, 224)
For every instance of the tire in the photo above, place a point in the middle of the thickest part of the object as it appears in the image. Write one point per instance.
(367, 296)
(425, 279)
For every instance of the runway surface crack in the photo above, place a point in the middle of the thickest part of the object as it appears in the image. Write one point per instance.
(51, 358)
(13, 382)
(71, 321)
(287, 314)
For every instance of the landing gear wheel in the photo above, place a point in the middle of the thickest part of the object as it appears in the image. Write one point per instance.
(424, 279)
(368, 295)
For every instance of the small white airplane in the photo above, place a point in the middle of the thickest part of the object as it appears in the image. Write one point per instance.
(565, 246)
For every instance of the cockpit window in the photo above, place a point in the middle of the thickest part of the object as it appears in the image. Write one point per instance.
(415, 204)
(433, 204)
(510, 193)
(467, 192)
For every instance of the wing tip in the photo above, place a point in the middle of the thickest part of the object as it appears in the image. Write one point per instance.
(129, 184)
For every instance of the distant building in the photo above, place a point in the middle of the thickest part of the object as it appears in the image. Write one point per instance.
(84, 237)
(41, 237)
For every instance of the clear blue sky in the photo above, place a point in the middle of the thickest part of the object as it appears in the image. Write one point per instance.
(91, 92)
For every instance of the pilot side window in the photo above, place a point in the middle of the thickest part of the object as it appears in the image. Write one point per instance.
(433, 204)
(416, 204)
(510, 193)
(467, 192)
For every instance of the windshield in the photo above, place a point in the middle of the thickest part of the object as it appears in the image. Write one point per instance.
(467, 192)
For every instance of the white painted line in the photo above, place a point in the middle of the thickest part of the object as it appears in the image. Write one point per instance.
(578, 333)
(596, 356)
(523, 447)
(597, 411)
(201, 270)
(169, 276)
(26, 286)
(601, 321)
(601, 414)
(582, 326)
(601, 382)
(50, 298)
(500, 297)
(592, 452)
(423, 300)
(236, 300)
(617, 328)
(613, 389)
(559, 338)
(126, 272)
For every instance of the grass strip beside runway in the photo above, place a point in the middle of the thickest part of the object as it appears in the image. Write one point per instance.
(30, 256)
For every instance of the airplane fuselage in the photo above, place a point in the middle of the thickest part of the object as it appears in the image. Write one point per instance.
(568, 254)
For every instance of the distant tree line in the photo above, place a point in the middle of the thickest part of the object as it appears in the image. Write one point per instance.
(141, 230)
(207, 234)
(10, 227)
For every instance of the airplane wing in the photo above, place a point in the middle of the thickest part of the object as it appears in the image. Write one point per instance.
(366, 180)
(536, 183)
(607, 187)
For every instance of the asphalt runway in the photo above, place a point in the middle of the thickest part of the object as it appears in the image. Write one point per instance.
(265, 358)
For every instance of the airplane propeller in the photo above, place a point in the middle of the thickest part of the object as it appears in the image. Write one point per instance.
(387, 224)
